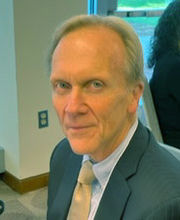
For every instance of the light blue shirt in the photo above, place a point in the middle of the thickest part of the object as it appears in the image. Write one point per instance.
(104, 169)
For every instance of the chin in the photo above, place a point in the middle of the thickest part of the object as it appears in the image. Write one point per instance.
(81, 146)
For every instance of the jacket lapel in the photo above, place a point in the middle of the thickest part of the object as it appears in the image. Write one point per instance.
(117, 192)
(66, 188)
(114, 198)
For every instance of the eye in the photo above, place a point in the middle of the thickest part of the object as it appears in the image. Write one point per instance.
(61, 87)
(97, 84)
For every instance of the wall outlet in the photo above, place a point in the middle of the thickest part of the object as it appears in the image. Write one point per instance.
(43, 119)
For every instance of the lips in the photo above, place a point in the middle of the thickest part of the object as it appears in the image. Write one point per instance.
(77, 127)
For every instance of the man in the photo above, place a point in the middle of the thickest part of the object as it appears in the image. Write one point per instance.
(96, 66)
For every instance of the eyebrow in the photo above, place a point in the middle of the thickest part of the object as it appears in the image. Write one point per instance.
(84, 80)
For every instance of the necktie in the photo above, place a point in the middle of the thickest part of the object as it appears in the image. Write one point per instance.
(79, 209)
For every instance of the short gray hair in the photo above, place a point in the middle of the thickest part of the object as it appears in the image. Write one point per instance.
(135, 64)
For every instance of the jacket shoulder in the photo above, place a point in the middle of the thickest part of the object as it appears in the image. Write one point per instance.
(61, 149)
(155, 184)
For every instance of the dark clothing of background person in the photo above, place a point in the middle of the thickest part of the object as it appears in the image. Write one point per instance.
(165, 88)
(1, 207)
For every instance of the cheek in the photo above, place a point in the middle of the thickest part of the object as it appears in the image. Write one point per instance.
(115, 111)
(105, 110)
(101, 107)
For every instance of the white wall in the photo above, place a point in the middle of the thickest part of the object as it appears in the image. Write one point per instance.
(9, 130)
(34, 22)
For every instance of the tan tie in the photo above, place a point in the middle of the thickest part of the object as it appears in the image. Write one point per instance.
(79, 209)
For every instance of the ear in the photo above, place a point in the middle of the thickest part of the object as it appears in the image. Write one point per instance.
(136, 93)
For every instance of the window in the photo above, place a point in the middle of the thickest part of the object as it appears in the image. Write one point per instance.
(143, 15)
(139, 4)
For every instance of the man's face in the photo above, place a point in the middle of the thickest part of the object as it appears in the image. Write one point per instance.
(90, 94)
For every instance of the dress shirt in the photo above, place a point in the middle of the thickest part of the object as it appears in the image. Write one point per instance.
(104, 169)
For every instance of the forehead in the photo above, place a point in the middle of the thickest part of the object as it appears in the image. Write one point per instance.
(95, 38)
(91, 48)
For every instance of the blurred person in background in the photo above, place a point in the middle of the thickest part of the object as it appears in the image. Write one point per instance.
(165, 81)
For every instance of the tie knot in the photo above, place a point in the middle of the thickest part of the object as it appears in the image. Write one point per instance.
(86, 175)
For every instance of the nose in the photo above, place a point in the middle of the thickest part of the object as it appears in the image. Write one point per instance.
(76, 103)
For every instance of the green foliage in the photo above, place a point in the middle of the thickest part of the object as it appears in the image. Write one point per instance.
(142, 3)
(142, 20)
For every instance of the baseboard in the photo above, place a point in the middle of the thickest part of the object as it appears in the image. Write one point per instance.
(25, 185)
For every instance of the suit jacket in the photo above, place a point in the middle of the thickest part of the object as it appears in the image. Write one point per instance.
(144, 185)
(166, 95)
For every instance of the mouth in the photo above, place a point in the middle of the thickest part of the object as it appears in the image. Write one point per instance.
(78, 129)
